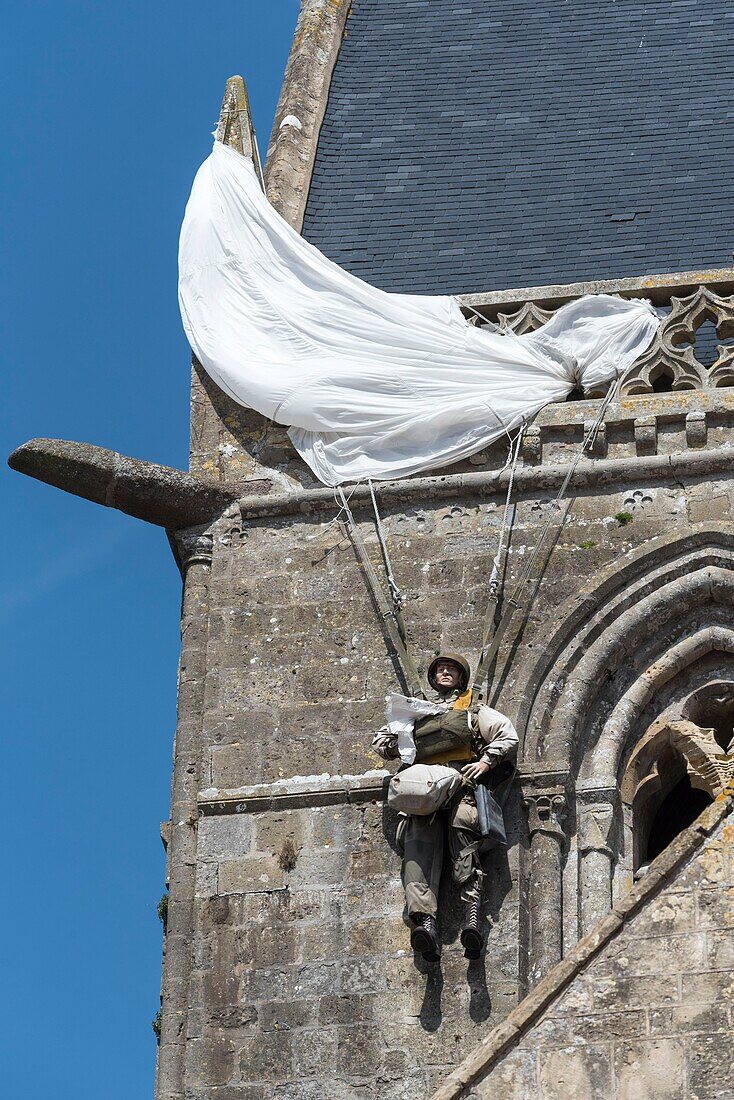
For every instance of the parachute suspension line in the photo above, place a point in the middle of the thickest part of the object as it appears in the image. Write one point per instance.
(513, 602)
(397, 596)
(386, 611)
(485, 320)
(504, 529)
(508, 518)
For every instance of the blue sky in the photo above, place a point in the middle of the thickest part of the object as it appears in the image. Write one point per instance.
(108, 111)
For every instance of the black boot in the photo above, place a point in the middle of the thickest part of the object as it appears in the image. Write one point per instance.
(471, 933)
(424, 937)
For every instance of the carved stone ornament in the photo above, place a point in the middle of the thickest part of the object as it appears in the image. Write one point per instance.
(709, 768)
(672, 352)
(546, 812)
(596, 823)
(194, 547)
(527, 318)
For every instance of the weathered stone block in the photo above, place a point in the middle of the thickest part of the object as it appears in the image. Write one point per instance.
(336, 827)
(715, 909)
(358, 1051)
(256, 873)
(363, 975)
(372, 863)
(272, 830)
(233, 765)
(265, 945)
(650, 1070)
(707, 986)
(285, 1015)
(300, 1090)
(640, 955)
(711, 1066)
(318, 980)
(553, 1032)
(314, 1052)
(366, 936)
(710, 507)
(345, 1009)
(320, 940)
(210, 1061)
(206, 880)
(227, 837)
(514, 1079)
(672, 911)
(320, 867)
(687, 1019)
(273, 983)
(721, 950)
(575, 1073)
(269, 1057)
(396, 1065)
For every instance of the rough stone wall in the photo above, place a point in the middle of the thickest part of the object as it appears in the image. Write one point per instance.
(648, 1015)
(302, 983)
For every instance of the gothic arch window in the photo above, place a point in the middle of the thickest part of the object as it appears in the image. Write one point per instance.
(677, 769)
(670, 804)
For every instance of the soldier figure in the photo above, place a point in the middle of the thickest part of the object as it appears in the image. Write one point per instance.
(485, 756)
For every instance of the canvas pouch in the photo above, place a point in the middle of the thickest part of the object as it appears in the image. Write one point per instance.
(422, 789)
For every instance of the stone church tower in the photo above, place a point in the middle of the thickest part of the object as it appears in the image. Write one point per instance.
(456, 146)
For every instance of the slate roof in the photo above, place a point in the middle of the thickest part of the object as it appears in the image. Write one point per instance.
(472, 146)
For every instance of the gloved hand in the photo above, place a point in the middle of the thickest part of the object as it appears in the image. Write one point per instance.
(385, 744)
(475, 772)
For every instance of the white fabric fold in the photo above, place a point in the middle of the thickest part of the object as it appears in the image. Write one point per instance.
(370, 384)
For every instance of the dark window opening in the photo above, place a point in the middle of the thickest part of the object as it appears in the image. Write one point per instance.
(662, 383)
(706, 344)
(679, 809)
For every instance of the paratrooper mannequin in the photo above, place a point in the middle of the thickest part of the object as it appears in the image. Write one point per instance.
(484, 747)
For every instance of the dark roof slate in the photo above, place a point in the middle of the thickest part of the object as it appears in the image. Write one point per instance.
(472, 146)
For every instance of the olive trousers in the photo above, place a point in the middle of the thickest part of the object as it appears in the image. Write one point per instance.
(421, 842)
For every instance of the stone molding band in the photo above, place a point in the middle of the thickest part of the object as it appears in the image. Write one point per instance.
(528, 481)
(296, 793)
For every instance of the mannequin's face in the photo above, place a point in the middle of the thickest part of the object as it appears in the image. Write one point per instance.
(447, 676)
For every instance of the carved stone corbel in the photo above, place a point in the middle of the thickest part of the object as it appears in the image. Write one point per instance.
(546, 812)
(194, 547)
(596, 823)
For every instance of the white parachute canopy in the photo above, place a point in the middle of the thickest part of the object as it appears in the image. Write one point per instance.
(370, 384)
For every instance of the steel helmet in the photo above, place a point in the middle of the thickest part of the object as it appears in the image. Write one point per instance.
(456, 659)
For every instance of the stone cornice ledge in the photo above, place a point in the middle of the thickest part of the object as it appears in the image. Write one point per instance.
(658, 288)
(330, 790)
(529, 480)
(511, 1030)
(295, 793)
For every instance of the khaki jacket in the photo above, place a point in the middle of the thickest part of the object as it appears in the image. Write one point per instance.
(498, 733)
